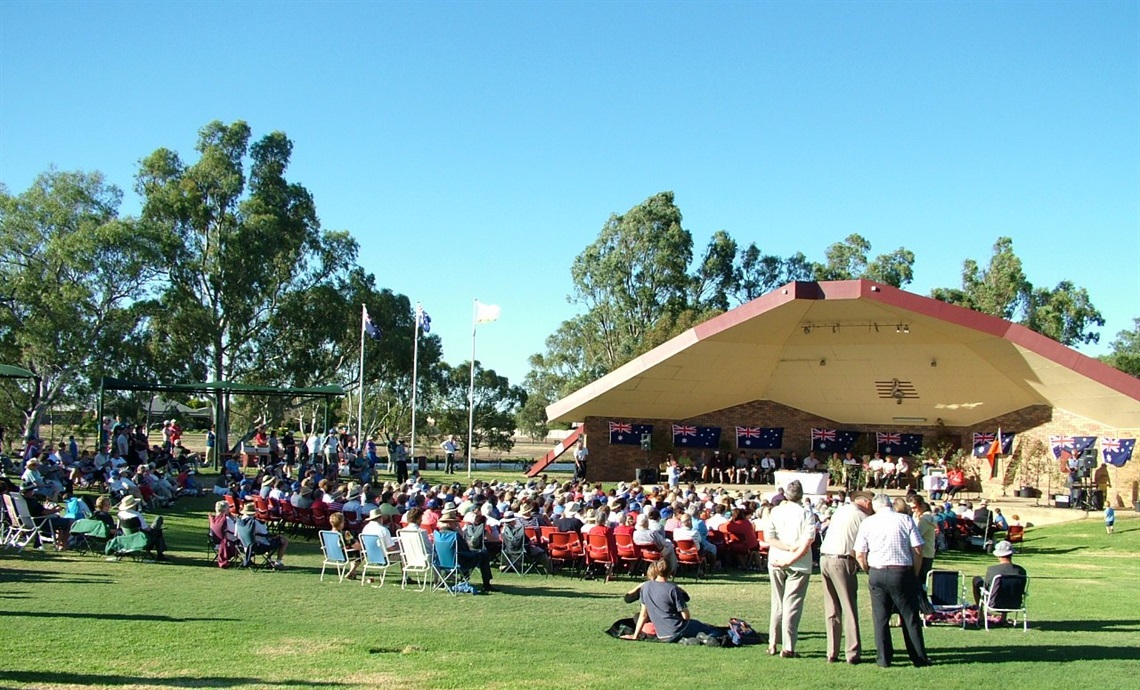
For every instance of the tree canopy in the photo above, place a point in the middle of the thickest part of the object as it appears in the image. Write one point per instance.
(1125, 352)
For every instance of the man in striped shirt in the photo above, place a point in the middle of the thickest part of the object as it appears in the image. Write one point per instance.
(889, 547)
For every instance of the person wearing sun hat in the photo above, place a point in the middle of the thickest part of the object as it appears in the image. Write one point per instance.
(131, 518)
(377, 523)
(1003, 551)
(468, 558)
(250, 530)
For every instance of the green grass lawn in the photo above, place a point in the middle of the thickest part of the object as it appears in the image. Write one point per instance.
(75, 621)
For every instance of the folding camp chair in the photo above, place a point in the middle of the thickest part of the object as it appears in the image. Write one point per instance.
(375, 557)
(947, 591)
(415, 557)
(1007, 594)
(335, 554)
(515, 556)
(253, 556)
(134, 545)
(90, 536)
(445, 562)
(27, 529)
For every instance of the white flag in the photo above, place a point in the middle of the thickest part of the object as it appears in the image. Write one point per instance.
(486, 313)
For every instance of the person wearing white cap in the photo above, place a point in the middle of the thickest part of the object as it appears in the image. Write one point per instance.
(131, 518)
(1003, 550)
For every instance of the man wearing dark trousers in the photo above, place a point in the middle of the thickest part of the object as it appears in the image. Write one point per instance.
(889, 548)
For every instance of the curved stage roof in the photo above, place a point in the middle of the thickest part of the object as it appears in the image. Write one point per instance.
(859, 353)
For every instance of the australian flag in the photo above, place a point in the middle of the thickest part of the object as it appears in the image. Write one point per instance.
(1065, 447)
(894, 443)
(983, 441)
(1117, 451)
(628, 434)
(423, 319)
(759, 437)
(833, 440)
(370, 328)
(687, 436)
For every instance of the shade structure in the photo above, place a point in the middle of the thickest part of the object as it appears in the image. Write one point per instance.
(859, 352)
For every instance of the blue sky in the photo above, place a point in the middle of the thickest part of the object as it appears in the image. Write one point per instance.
(474, 149)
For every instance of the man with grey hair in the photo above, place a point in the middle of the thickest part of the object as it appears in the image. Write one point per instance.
(889, 547)
(838, 567)
(790, 532)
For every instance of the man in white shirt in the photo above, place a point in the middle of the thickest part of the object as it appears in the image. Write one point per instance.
(838, 567)
(790, 532)
(374, 524)
(448, 446)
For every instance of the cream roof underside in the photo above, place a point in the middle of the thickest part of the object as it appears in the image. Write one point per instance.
(985, 366)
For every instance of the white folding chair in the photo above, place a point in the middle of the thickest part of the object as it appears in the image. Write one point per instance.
(415, 557)
(27, 529)
(1007, 594)
(375, 557)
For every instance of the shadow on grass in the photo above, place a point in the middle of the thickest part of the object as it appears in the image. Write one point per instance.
(1035, 653)
(111, 616)
(99, 680)
(1087, 626)
(540, 591)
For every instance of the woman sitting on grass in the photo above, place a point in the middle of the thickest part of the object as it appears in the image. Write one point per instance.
(666, 606)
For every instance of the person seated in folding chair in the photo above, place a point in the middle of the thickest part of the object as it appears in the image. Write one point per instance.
(379, 523)
(102, 512)
(1003, 550)
(468, 557)
(57, 524)
(130, 519)
(250, 530)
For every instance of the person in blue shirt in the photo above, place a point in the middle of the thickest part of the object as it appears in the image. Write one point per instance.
(1109, 519)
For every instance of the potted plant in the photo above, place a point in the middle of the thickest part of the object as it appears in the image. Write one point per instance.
(1035, 460)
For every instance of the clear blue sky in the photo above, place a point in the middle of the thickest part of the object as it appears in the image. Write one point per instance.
(474, 149)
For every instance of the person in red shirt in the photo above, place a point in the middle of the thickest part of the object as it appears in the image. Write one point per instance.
(956, 479)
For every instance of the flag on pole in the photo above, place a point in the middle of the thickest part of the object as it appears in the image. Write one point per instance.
(423, 319)
(370, 328)
(1001, 445)
(486, 313)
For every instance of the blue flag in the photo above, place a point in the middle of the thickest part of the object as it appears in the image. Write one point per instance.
(1117, 451)
(686, 436)
(423, 319)
(833, 440)
(628, 434)
(983, 441)
(370, 328)
(760, 437)
(894, 443)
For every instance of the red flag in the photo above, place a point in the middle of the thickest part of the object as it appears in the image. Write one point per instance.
(995, 448)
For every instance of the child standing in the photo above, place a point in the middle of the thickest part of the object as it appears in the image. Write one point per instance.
(1109, 519)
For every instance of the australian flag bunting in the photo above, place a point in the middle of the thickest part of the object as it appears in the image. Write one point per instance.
(983, 442)
(833, 440)
(1117, 451)
(1065, 447)
(688, 436)
(895, 443)
(759, 437)
(628, 434)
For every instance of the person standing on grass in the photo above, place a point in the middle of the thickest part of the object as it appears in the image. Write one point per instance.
(790, 533)
(838, 568)
(581, 453)
(448, 446)
(889, 548)
(1109, 519)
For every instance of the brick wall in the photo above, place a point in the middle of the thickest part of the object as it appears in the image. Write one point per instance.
(1038, 422)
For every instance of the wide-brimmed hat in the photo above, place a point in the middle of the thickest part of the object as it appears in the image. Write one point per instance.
(449, 515)
(128, 502)
(1003, 549)
(374, 514)
(249, 509)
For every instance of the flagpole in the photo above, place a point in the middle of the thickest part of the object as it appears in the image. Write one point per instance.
(415, 372)
(360, 384)
(471, 390)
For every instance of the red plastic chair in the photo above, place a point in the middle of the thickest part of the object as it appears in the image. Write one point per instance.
(689, 556)
(235, 505)
(320, 516)
(598, 553)
(1015, 534)
(627, 552)
(566, 548)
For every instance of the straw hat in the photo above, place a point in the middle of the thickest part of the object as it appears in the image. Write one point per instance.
(374, 514)
(129, 502)
(249, 509)
(450, 515)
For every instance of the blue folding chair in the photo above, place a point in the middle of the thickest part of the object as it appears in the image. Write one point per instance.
(335, 553)
(947, 590)
(445, 562)
(375, 558)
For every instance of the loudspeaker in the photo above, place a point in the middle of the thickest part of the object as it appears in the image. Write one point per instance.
(647, 475)
(646, 442)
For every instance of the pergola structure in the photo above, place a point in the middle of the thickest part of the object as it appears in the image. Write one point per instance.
(859, 353)
(327, 393)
